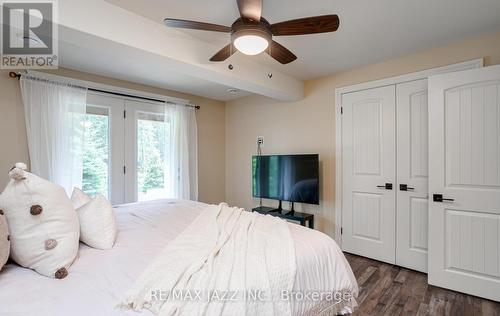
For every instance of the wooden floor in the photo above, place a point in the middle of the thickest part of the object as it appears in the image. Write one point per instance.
(390, 290)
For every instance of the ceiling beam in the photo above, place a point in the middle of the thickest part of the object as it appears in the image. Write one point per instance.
(180, 52)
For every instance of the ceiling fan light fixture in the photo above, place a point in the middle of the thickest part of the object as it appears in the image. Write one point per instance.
(252, 34)
(251, 44)
(250, 37)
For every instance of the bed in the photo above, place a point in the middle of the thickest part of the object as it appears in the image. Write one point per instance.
(99, 278)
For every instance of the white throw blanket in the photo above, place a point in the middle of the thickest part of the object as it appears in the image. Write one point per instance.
(227, 262)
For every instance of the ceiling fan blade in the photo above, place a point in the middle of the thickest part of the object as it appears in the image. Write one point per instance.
(250, 9)
(280, 53)
(224, 53)
(186, 24)
(310, 25)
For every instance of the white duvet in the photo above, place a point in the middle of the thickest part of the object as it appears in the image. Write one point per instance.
(99, 279)
(212, 266)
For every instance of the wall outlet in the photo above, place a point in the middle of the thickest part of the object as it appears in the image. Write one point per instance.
(260, 141)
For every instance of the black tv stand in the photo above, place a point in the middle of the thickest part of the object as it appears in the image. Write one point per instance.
(266, 209)
(280, 207)
(290, 215)
(292, 209)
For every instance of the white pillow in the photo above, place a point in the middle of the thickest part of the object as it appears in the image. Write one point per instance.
(4, 240)
(44, 229)
(97, 221)
(79, 198)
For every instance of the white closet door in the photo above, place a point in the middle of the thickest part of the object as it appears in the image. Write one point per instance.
(464, 166)
(369, 158)
(412, 187)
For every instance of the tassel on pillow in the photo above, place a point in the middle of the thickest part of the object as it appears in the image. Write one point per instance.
(17, 172)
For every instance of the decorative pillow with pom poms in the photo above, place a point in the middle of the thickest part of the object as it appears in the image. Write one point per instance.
(44, 228)
(4, 240)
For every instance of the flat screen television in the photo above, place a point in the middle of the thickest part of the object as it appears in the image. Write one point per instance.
(293, 178)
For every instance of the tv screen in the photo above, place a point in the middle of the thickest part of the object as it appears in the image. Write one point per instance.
(293, 178)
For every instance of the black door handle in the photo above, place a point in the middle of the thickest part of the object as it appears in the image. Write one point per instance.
(404, 187)
(439, 198)
(387, 186)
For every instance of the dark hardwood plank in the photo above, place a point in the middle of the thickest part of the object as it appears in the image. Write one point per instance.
(417, 293)
(468, 305)
(490, 308)
(391, 290)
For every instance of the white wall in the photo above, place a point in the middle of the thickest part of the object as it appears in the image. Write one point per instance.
(227, 132)
(210, 118)
(308, 126)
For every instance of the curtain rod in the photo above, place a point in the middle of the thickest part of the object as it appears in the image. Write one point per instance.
(17, 76)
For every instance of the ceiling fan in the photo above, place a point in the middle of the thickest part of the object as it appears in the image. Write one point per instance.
(251, 34)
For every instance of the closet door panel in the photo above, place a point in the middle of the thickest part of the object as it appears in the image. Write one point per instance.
(464, 181)
(412, 173)
(369, 153)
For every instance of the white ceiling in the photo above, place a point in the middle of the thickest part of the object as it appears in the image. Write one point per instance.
(122, 44)
(107, 58)
(370, 31)
(126, 39)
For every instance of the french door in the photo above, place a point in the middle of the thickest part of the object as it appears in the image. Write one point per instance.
(104, 144)
(126, 149)
(464, 181)
(147, 151)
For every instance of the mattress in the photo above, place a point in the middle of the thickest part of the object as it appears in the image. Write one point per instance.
(98, 279)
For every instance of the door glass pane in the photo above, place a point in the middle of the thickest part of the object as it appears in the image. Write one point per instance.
(96, 152)
(153, 135)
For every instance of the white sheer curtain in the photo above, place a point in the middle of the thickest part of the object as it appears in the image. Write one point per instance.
(182, 148)
(55, 114)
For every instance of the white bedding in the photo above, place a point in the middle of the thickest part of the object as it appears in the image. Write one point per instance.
(221, 256)
(98, 280)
